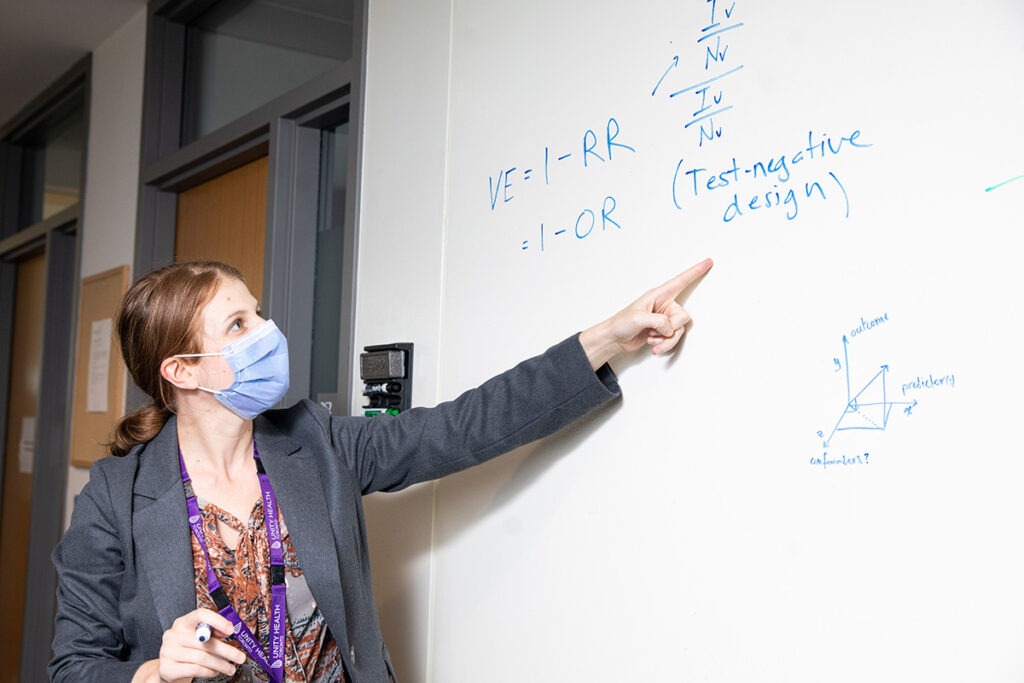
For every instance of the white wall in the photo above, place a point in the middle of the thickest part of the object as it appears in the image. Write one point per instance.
(402, 213)
(112, 168)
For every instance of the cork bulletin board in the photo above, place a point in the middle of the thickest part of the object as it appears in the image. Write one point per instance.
(99, 371)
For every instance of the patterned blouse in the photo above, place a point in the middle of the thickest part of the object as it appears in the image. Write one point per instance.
(311, 653)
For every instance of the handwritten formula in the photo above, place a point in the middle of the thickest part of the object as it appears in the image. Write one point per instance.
(698, 90)
(709, 95)
(590, 150)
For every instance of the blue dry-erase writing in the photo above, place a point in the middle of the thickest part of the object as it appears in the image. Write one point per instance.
(871, 401)
(707, 93)
(594, 148)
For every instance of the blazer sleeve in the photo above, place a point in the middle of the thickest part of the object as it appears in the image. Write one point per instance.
(532, 400)
(87, 644)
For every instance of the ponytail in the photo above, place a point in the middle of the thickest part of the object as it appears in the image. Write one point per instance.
(138, 426)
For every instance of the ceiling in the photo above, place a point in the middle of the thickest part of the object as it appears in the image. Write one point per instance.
(41, 39)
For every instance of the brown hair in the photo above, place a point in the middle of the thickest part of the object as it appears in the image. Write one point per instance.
(159, 318)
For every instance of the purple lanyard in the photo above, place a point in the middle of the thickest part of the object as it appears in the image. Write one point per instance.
(274, 666)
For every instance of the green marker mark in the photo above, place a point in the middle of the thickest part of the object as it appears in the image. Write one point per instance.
(998, 185)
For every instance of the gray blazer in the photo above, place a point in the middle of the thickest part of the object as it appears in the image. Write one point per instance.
(125, 563)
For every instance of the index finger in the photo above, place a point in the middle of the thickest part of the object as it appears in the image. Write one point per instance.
(675, 286)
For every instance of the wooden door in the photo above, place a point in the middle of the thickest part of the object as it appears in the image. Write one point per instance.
(225, 219)
(26, 361)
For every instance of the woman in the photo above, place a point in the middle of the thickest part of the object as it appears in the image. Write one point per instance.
(273, 581)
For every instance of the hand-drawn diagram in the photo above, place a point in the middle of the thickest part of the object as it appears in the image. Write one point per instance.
(869, 408)
(870, 403)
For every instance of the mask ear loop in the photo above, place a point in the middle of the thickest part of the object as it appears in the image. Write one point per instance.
(163, 382)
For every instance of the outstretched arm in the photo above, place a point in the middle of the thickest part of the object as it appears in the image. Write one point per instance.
(655, 319)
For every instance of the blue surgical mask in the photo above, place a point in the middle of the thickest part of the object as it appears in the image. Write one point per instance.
(259, 360)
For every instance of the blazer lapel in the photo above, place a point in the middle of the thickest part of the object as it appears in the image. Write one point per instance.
(300, 495)
(160, 530)
(164, 542)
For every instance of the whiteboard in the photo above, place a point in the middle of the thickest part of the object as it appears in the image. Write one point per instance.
(824, 483)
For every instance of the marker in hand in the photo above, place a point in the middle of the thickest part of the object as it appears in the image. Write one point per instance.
(202, 632)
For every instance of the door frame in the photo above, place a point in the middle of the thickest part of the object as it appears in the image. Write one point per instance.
(58, 234)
